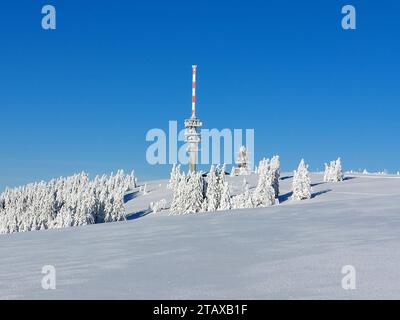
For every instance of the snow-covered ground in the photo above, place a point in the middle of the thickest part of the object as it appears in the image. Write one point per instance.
(294, 250)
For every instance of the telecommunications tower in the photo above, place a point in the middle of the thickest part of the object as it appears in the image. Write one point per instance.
(191, 125)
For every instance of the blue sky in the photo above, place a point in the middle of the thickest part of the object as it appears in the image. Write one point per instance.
(83, 96)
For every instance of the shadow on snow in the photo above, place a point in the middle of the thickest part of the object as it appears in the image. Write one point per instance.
(137, 215)
(285, 197)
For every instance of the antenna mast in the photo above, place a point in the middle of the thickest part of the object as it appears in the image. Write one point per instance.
(191, 125)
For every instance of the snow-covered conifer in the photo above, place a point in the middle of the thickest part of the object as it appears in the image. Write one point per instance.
(158, 206)
(243, 200)
(223, 172)
(264, 194)
(275, 166)
(177, 204)
(188, 195)
(213, 191)
(225, 203)
(248, 198)
(175, 177)
(338, 172)
(194, 193)
(333, 171)
(145, 191)
(301, 183)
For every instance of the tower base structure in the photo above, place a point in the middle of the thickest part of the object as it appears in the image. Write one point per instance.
(193, 140)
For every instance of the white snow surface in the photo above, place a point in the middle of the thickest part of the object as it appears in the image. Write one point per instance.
(294, 250)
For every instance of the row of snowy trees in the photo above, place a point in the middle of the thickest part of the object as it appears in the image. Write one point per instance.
(272, 168)
(64, 202)
(196, 192)
(302, 183)
(333, 171)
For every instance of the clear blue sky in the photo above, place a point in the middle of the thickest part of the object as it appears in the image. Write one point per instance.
(82, 97)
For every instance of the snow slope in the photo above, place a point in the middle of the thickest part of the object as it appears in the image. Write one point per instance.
(294, 250)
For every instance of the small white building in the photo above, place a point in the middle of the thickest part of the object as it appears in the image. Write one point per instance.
(242, 163)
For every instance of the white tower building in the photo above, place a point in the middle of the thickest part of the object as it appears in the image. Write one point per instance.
(191, 125)
(242, 162)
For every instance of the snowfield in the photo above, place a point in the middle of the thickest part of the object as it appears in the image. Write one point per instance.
(294, 250)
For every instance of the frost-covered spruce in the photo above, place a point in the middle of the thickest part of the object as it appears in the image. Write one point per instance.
(158, 206)
(194, 193)
(171, 181)
(333, 171)
(223, 171)
(338, 172)
(188, 196)
(275, 166)
(177, 204)
(213, 190)
(225, 203)
(248, 199)
(301, 182)
(243, 200)
(175, 177)
(145, 191)
(237, 201)
(262, 164)
(264, 194)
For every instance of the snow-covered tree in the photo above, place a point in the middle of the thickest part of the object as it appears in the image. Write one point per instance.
(225, 203)
(223, 171)
(194, 192)
(175, 177)
(177, 204)
(275, 167)
(301, 183)
(264, 194)
(243, 200)
(333, 171)
(188, 196)
(145, 191)
(158, 206)
(248, 198)
(213, 190)
(338, 172)
(264, 163)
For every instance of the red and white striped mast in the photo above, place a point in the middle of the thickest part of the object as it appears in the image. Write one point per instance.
(191, 125)
(194, 91)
